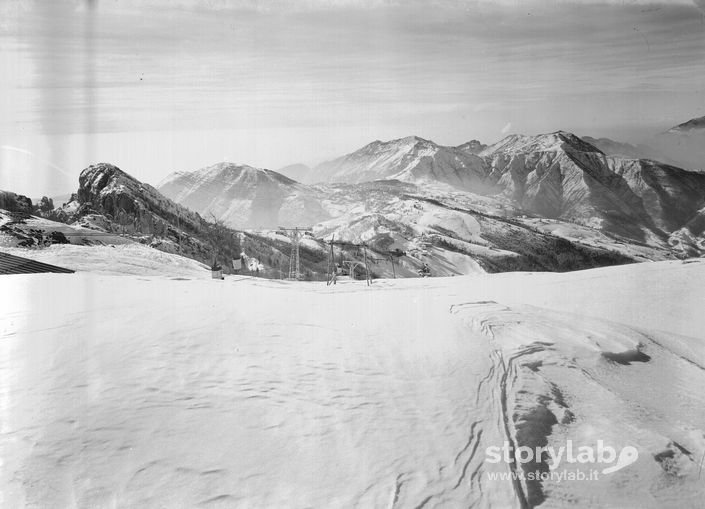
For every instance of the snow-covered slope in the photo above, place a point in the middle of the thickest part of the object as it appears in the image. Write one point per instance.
(561, 176)
(427, 221)
(461, 233)
(410, 159)
(152, 392)
(671, 196)
(244, 197)
(127, 258)
(555, 176)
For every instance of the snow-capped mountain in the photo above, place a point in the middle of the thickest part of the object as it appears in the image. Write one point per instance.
(556, 175)
(561, 176)
(670, 196)
(414, 195)
(410, 159)
(244, 196)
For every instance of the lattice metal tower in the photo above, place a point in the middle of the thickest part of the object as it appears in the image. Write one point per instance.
(294, 259)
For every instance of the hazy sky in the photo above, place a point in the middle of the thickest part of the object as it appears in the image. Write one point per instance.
(158, 86)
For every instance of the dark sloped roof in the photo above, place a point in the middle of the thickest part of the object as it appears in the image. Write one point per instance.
(10, 264)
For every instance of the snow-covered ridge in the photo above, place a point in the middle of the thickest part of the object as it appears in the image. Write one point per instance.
(557, 176)
(244, 196)
(559, 140)
(410, 159)
(225, 173)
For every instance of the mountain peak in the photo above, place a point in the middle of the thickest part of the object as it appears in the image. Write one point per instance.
(226, 167)
(414, 139)
(226, 173)
(472, 146)
(242, 195)
(97, 177)
(558, 140)
(694, 124)
(407, 141)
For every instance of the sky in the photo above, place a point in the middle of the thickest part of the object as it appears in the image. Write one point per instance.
(162, 86)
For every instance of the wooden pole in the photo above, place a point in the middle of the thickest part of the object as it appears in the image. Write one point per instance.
(330, 257)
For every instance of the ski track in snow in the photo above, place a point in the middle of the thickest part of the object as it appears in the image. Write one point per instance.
(134, 392)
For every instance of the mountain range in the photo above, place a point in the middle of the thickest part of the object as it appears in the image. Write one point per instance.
(547, 202)
(556, 176)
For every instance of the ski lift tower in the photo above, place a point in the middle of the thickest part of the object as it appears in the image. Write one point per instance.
(352, 264)
(294, 261)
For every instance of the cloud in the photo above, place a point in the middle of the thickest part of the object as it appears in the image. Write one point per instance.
(506, 128)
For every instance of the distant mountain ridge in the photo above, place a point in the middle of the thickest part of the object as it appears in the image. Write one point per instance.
(555, 175)
(691, 125)
(682, 145)
(410, 159)
(244, 196)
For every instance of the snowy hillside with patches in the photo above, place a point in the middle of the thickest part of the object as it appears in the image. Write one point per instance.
(410, 159)
(159, 391)
(244, 196)
(638, 208)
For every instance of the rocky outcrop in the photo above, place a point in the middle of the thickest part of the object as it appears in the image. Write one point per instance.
(111, 200)
(14, 202)
(135, 206)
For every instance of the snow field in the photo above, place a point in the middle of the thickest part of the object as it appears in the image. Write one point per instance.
(156, 391)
